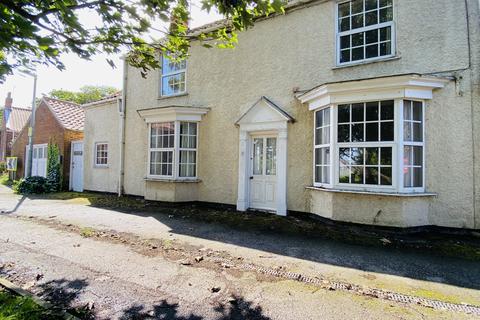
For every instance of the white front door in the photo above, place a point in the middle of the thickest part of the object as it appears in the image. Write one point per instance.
(263, 179)
(76, 176)
(39, 160)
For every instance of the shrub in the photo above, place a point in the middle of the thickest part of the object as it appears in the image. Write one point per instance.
(3, 167)
(30, 185)
(54, 172)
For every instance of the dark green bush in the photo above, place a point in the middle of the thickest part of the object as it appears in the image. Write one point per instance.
(34, 184)
(3, 167)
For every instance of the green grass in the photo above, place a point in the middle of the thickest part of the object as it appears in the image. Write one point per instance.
(13, 307)
(4, 179)
(87, 232)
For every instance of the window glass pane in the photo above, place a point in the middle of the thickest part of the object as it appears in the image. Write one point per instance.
(357, 6)
(417, 157)
(372, 131)
(387, 110)
(371, 51)
(344, 175)
(371, 4)
(386, 156)
(372, 111)
(371, 175)
(371, 156)
(385, 48)
(417, 132)
(357, 54)
(344, 56)
(407, 110)
(326, 117)
(344, 113)
(173, 84)
(386, 14)
(371, 18)
(372, 36)
(384, 3)
(357, 39)
(271, 157)
(344, 155)
(386, 176)
(417, 177)
(356, 157)
(357, 132)
(344, 24)
(344, 9)
(417, 111)
(357, 112)
(318, 119)
(356, 175)
(258, 156)
(385, 34)
(344, 42)
(170, 66)
(344, 133)
(325, 174)
(387, 131)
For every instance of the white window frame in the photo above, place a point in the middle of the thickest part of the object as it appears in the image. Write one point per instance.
(176, 153)
(95, 158)
(397, 152)
(328, 145)
(339, 34)
(165, 75)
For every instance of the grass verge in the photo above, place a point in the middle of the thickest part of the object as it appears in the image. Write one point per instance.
(14, 307)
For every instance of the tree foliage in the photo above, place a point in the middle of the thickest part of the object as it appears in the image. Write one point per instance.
(85, 95)
(40, 31)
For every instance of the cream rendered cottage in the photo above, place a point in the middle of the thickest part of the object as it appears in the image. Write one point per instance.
(364, 111)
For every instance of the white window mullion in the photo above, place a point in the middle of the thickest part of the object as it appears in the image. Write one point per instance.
(176, 153)
(399, 167)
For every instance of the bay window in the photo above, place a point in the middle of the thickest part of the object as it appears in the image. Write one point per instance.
(358, 146)
(173, 150)
(369, 134)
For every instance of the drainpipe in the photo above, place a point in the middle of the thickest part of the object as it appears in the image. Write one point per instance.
(122, 111)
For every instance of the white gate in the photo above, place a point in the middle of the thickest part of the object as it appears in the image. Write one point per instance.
(76, 166)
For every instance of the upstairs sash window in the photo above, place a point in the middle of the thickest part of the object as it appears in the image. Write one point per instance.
(365, 30)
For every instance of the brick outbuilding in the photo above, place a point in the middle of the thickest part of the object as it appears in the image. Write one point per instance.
(55, 120)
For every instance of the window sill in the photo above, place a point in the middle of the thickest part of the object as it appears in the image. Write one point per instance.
(194, 180)
(361, 63)
(173, 96)
(376, 193)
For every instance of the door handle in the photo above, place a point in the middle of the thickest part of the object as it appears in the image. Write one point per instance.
(251, 178)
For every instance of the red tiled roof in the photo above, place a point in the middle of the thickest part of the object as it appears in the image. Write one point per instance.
(18, 118)
(70, 115)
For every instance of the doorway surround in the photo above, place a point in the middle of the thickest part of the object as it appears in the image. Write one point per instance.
(263, 117)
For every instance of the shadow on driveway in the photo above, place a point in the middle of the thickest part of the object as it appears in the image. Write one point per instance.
(417, 253)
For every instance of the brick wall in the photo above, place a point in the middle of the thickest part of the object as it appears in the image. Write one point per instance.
(46, 128)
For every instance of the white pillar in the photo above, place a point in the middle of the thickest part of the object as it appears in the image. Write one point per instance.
(242, 199)
(282, 172)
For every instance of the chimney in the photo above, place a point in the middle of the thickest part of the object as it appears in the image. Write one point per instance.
(3, 129)
(8, 101)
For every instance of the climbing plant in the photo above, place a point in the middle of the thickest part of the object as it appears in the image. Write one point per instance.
(54, 172)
